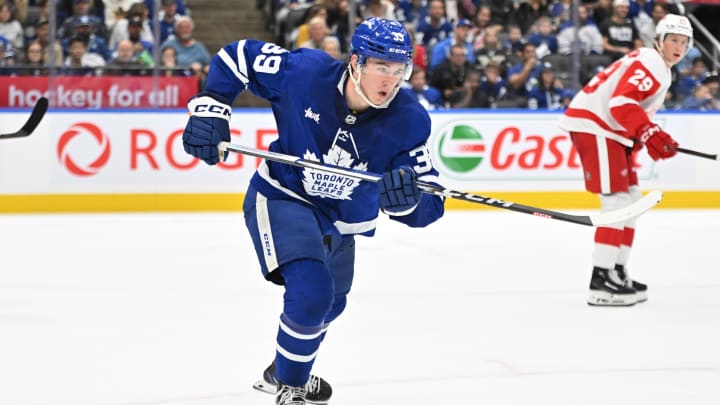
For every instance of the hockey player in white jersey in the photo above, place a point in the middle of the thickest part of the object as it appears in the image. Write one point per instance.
(609, 121)
(303, 221)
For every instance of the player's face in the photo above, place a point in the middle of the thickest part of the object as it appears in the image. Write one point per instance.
(673, 48)
(379, 78)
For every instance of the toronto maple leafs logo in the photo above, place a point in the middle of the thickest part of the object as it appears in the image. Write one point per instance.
(331, 185)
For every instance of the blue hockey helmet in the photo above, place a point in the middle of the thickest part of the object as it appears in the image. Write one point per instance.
(382, 39)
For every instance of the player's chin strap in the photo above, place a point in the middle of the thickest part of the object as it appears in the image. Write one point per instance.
(359, 91)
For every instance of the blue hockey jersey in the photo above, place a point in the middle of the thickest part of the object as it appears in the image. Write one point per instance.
(306, 90)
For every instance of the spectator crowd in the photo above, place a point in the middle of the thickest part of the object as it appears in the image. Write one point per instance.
(99, 37)
(467, 53)
(502, 53)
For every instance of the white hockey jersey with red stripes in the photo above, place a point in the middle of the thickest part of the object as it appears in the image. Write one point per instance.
(608, 104)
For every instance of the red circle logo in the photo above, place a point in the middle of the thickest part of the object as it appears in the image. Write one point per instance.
(83, 129)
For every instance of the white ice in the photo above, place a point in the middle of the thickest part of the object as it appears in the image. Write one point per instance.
(482, 307)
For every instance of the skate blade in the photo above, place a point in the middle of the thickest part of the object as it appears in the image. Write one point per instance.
(609, 300)
(265, 387)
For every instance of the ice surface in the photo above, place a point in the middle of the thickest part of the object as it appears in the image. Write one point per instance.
(484, 307)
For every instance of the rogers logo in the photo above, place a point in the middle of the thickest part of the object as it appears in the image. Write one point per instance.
(83, 130)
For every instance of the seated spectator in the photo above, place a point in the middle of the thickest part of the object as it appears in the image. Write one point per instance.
(168, 17)
(301, 33)
(411, 11)
(116, 10)
(142, 49)
(79, 61)
(685, 65)
(168, 62)
(500, 10)
(7, 56)
(544, 38)
(620, 36)
(700, 99)
(515, 42)
(81, 8)
(52, 53)
(318, 30)
(10, 27)
(180, 7)
(547, 94)
(189, 51)
(34, 60)
(523, 75)
(380, 9)
(527, 13)
(434, 27)
(481, 22)
(331, 45)
(428, 96)
(492, 51)
(460, 36)
(83, 28)
(20, 9)
(601, 11)
(492, 83)
(126, 61)
(449, 77)
(34, 54)
(121, 29)
(643, 21)
(712, 81)
(560, 12)
(687, 84)
(589, 36)
(471, 96)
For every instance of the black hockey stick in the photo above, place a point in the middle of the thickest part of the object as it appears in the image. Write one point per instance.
(698, 154)
(603, 218)
(36, 116)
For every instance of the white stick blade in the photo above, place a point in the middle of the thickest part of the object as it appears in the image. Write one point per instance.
(635, 209)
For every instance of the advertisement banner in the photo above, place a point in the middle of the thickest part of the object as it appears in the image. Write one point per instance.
(72, 92)
(509, 149)
(140, 153)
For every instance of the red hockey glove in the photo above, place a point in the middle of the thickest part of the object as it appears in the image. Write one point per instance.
(660, 144)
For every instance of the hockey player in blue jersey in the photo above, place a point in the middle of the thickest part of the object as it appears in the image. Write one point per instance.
(303, 221)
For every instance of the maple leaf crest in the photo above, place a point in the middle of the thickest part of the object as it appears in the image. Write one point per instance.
(329, 185)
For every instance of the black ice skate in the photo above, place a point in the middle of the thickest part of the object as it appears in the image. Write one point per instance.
(609, 291)
(287, 395)
(318, 390)
(640, 288)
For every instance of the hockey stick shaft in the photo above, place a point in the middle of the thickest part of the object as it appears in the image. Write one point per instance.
(623, 214)
(36, 116)
(698, 154)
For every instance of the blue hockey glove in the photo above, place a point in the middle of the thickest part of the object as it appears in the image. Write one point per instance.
(399, 193)
(208, 125)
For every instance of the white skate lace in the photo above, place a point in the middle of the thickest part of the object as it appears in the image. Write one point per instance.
(292, 396)
(313, 384)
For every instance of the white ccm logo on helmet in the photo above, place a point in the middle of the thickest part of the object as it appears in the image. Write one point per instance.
(396, 50)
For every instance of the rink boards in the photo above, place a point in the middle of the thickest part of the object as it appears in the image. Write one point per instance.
(123, 161)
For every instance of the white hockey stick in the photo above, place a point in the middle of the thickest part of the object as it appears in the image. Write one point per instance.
(604, 218)
(36, 116)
